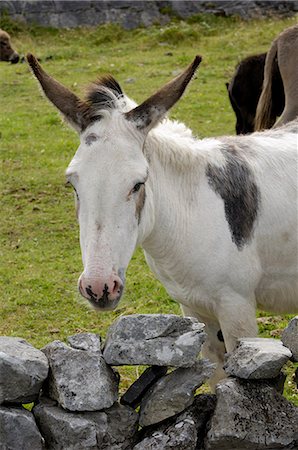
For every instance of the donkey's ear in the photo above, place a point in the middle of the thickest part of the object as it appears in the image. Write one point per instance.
(72, 108)
(152, 110)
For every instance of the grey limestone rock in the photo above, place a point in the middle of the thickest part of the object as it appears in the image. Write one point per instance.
(80, 380)
(85, 341)
(257, 358)
(290, 337)
(111, 429)
(181, 435)
(23, 370)
(251, 415)
(18, 430)
(133, 13)
(174, 392)
(154, 339)
(185, 431)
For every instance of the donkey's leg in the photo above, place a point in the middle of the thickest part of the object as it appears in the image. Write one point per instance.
(214, 347)
(237, 318)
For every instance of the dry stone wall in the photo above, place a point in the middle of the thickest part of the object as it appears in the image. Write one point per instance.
(74, 389)
(134, 13)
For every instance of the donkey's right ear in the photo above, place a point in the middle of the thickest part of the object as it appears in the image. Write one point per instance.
(72, 108)
(153, 110)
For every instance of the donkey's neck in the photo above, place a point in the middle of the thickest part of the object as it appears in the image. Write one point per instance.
(171, 143)
(173, 146)
(177, 166)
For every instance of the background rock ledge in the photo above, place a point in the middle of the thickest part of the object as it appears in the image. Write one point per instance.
(131, 14)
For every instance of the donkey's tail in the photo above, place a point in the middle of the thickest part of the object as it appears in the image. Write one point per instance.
(265, 116)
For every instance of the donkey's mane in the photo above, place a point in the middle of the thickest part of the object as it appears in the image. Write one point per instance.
(103, 94)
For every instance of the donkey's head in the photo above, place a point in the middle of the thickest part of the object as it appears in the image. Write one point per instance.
(109, 173)
(7, 53)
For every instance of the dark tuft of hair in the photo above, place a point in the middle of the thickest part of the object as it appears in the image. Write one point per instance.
(100, 95)
(109, 82)
(102, 92)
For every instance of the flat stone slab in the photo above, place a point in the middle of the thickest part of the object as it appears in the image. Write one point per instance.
(23, 370)
(251, 415)
(80, 380)
(290, 337)
(257, 358)
(18, 430)
(154, 339)
(111, 429)
(185, 431)
(134, 394)
(174, 392)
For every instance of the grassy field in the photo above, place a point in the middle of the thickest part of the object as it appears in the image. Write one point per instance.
(40, 257)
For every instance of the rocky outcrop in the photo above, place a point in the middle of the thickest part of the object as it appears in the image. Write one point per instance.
(131, 14)
(75, 399)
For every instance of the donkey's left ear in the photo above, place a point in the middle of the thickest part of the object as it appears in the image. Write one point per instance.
(152, 110)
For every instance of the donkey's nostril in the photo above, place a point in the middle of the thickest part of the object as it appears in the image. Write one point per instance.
(117, 286)
(91, 294)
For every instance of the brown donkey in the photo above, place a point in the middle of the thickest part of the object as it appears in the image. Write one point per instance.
(284, 50)
(7, 53)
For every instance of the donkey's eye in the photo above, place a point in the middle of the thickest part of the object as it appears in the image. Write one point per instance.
(137, 187)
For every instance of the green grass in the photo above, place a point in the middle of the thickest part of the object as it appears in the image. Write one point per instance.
(40, 257)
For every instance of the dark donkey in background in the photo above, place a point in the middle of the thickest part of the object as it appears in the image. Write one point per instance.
(7, 53)
(284, 54)
(245, 89)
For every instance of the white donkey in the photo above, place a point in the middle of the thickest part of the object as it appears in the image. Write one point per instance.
(217, 218)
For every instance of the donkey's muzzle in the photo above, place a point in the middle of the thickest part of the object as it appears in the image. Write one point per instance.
(14, 59)
(103, 294)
